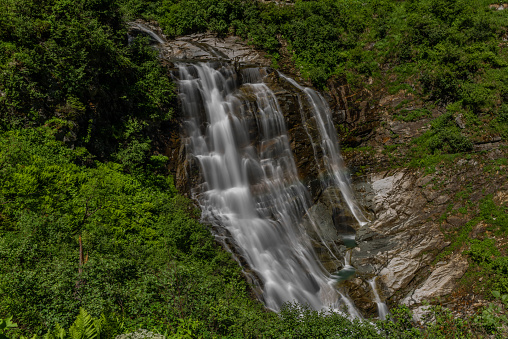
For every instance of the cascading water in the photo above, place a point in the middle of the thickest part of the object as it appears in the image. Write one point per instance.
(334, 165)
(250, 182)
(347, 271)
(382, 309)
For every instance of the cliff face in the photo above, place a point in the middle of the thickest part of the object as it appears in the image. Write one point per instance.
(411, 210)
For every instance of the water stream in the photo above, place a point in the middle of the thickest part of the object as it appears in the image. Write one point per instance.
(347, 271)
(250, 183)
(334, 165)
(382, 308)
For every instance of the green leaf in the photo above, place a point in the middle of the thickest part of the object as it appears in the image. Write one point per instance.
(7, 323)
(83, 327)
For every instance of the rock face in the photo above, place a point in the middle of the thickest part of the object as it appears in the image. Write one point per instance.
(208, 46)
(331, 219)
(401, 240)
(440, 282)
(405, 236)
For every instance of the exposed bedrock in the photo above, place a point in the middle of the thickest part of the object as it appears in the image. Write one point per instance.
(405, 236)
(402, 239)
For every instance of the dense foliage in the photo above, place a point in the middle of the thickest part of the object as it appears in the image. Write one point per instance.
(80, 104)
(456, 45)
(146, 258)
(69, 64)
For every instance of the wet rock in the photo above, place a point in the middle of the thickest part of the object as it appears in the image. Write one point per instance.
(360, 291)
(318, 223)
(328, 218)
(369, 248)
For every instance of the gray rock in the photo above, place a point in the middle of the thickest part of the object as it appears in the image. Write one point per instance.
(200, 47)
(318, 223)
(141, 334)
(442, 199)
(424, 181)
(397, 244)
(210, 47)
(421, 313)
(459, 120)
(440, 283)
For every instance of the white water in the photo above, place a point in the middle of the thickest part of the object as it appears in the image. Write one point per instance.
(382, 309)
(347, 259)
(334, 164)
(347, 271)
(250, 183)
(146, 30)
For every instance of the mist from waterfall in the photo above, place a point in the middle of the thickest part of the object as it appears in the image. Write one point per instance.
(237, 134)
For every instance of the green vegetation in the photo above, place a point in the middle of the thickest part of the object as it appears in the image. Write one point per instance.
(68, 64)
(144, 257)
(482, 239)
(488, 273)
(412, 115)
(5, 325)
(444, 137)
(456, 45)
(89, 218)
(487, 255)
(451, 54)
(295, 321)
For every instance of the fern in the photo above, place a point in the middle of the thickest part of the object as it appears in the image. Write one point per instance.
(85, 326)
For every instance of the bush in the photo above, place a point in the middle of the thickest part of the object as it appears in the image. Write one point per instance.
(70, 60)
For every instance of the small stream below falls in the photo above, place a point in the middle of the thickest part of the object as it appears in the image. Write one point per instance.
(249, 183)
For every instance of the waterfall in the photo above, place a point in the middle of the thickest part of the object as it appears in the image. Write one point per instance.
(334, 165)
(237, 134)
(382, 309)
(347, 271)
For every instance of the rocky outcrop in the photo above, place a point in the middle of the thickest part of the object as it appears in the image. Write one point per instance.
(355, 111)
(200, 47)
(411, 215)
(211, 47)
(399, 242)
(441, 281)
(400, 217)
